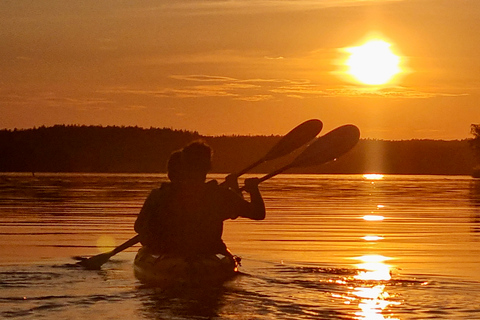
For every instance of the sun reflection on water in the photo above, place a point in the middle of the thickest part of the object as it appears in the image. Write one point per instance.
(373, 268)
(367, 289)
(373, 299)
(373, 217)
(373, 303)
(372, 238)
(373, 176)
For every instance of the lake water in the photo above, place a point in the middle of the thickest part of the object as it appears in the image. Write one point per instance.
(331, 247)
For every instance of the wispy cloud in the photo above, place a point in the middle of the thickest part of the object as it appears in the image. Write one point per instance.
(199, 7)
(255, 90)
(302, 91)
(201, 78)
(256, 98)
(198, 86)
(52, 100)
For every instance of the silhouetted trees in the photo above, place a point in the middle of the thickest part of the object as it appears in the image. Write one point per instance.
(89, 149)
(475, 142)
(132, 149)
(475, 145)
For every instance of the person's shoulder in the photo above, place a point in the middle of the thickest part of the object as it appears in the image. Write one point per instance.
(212, 184)
(165, 185)
(164, 188)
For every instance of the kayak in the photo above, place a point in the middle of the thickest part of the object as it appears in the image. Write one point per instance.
(168, 270)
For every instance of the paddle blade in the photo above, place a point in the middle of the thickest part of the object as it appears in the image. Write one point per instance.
(328, 147)
(296, 138)
(95, 262)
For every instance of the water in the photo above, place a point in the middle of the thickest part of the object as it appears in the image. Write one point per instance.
(332, 247)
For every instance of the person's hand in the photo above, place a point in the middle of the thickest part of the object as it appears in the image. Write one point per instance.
(231, 181)
(251, 185)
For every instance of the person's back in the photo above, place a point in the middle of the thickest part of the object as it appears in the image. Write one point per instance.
(194, 224)
(149, 220)
(189, 215)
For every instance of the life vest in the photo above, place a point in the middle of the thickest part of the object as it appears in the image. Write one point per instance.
(184, 226)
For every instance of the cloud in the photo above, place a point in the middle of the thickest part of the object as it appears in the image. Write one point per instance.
(238, 82)
(201, 78)
(202, 7)
(257, 89)
(302, 91)
(134, 107)
(256, 98)
(274, 58)
(201, 86)
(51, 99)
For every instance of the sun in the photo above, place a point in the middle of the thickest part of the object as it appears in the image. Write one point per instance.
(373, 63)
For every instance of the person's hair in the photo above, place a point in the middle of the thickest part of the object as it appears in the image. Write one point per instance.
(197, 157)
(174, 166)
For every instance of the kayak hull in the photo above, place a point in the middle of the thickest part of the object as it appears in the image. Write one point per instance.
(166, 270)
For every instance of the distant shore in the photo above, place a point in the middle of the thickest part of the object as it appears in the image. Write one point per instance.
(98, 149)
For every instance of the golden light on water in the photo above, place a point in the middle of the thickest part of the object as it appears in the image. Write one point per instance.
(373, 268)
(105, 243)
(372, 238)
(373, 176)
(369, 290)
(373, 301)
(373, 63)
(372, 217)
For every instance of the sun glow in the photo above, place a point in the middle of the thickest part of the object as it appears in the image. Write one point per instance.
(373, 63)
(105, 243)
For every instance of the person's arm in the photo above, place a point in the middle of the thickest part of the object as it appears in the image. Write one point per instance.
(231, 182)
(142, 222)
(257, 211)
(230, 197)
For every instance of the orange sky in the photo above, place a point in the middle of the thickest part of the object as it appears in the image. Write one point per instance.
(238, 66)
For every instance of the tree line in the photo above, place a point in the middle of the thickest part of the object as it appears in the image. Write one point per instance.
(116, 149)
(475, 145)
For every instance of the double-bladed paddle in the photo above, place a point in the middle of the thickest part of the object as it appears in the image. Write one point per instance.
(297, 137)
(324, 149)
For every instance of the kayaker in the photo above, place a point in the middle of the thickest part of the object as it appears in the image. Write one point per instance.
(185, 216)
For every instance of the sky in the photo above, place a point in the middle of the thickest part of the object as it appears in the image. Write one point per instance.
(222, 67)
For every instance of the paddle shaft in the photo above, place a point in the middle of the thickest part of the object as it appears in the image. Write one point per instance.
(276, 172)
(250, 167)
(127, 244)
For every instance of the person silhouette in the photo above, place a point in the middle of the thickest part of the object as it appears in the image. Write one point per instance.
(184, 217)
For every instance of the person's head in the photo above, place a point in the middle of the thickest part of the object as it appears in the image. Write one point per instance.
(196, 160)
(175, 167)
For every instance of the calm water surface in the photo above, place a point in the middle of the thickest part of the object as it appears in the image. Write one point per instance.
(332, 247)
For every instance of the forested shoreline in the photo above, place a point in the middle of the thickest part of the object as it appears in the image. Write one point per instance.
(137, 150)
